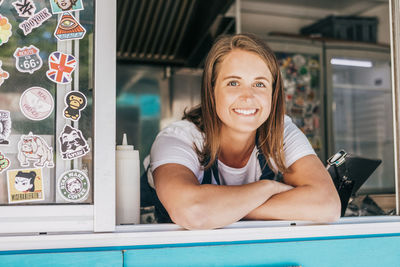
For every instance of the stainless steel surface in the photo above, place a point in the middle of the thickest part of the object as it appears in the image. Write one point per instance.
(167, 32)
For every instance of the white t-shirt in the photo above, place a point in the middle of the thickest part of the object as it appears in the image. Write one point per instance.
(174, 144)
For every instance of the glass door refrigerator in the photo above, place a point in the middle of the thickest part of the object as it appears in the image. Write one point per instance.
(301, 64)
(57, 116)
(360, 110)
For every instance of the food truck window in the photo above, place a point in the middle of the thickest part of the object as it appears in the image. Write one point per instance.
(46, 102)
(336, 70)
(50, 117)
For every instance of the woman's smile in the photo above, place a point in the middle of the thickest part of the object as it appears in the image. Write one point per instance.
(245, 111)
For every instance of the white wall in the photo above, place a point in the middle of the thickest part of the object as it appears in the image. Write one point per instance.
(382, 12)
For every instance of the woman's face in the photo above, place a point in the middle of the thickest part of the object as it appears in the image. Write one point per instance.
(243, 91)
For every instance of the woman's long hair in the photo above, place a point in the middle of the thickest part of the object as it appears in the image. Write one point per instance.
(204, 116)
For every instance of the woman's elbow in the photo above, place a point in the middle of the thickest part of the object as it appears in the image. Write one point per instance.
(331, 208)
(192, 217)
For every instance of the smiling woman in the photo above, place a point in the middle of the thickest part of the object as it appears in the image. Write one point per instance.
(223, 162)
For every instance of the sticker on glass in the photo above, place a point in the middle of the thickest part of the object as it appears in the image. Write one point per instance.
(5, 127)
(68, 28)
(75, 102)
(25, 8)
(4, 162)
(73, 186)
(5, 30)
(25, 185)
(36, 103)
(3, 74)
(28, 59)
(72, 143)
(60, 6)
(34, 148)
(35, 21)
(61, 67)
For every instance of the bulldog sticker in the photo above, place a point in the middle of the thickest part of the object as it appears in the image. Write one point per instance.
(33, 148)
(72, 143)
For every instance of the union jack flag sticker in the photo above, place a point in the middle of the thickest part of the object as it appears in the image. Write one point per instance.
(61, 67)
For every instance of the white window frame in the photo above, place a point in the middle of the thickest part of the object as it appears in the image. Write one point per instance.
(251, 230)
(99, 216)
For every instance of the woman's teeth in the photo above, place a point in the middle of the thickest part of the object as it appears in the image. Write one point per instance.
(245, 111)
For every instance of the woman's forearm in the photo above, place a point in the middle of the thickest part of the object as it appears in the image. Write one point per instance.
(213, 206)
(301, 203)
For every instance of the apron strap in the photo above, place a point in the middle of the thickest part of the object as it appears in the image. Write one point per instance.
(266, 172)
(207, 177)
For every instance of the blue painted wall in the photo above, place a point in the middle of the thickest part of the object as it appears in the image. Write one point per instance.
(71, 259)
(377, 251)
(361, 251)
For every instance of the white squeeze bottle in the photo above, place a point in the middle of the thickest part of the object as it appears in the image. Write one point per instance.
(128, 183)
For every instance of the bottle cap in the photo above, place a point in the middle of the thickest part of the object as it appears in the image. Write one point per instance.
(124, 145)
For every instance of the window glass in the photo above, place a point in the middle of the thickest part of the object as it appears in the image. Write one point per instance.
(46, 93)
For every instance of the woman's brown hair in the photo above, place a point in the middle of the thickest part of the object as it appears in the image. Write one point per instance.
(204, 116)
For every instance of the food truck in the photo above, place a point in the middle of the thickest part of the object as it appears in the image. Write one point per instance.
(76, 75)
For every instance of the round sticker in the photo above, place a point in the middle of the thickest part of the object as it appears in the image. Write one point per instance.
(36, 103)
(73, 186)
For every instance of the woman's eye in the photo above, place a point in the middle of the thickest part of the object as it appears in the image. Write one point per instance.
(260, 84)
(233, 83)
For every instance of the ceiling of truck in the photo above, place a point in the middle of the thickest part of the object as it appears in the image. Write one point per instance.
(169, 32)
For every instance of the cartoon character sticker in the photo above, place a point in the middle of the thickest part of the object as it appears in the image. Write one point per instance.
(75, 102)
(5, 30)
(25, 185)
(60, 6)
(3, 74)
(73, 186)
(61, 67)
(25, 8)
(4, 162)
(34, 148)
(5, 127)
(68, 28)
(72, 143)
(36, 103)
(34, 21)
(27, 59)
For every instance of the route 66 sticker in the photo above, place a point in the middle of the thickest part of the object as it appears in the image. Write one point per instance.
(28, 59)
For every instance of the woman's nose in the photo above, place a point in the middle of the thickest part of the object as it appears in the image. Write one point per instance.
(246, 93)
